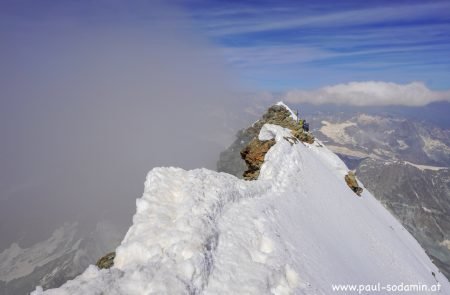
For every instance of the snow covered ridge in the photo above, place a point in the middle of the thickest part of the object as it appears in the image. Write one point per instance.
(298, 229)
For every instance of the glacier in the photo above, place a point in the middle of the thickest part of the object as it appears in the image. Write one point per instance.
(297, 229)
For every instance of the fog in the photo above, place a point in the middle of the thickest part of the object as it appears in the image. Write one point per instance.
(93, 97)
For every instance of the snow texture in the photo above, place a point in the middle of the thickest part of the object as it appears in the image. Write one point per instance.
(298, 229)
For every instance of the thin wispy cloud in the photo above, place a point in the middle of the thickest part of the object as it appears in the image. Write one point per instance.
(292, 19)
(295, 54)
(345, 40)
(264, 55)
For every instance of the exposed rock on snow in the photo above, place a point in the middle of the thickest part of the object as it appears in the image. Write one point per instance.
(352, 183)
(106, 261)
(230, 160)
(277, 115)
(294, 230)
(253, 155)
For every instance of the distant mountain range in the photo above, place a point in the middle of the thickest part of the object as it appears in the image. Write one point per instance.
(384, 138)
(55, 260)
(405, 164)
(419, 197)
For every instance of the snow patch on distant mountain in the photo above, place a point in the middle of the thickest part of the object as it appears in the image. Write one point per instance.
(402, 145)
(342, 150)
(385, 138)
(16, 262)
(426, 167)
(61, 257)
(337, 131)
(446, 243)
(432, 145)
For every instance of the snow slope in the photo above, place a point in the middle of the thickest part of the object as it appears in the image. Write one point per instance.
(298, 229)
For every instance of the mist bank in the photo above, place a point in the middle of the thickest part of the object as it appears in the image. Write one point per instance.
(93, 97)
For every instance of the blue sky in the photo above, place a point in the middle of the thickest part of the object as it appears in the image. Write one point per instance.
(280, 45)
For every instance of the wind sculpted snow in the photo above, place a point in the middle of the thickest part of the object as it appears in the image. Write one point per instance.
(298, 229)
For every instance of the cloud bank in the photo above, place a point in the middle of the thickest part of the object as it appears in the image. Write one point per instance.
(370, 93)
(94, 96)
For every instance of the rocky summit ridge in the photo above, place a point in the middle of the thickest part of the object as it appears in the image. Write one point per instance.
(245, 155)
(295, 229)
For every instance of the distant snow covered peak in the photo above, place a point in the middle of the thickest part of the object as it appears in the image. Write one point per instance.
(297, 229)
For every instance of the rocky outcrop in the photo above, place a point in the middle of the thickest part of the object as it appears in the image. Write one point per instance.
(303, 136)
(253, 155)
(352, 183)
(106, 261)
(233, 159)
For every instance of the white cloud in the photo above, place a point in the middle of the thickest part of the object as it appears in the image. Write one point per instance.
(370, 93)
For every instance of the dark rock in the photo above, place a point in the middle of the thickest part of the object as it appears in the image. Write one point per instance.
(253, 155)
(303, 136)
(352, 183)
(106, 261)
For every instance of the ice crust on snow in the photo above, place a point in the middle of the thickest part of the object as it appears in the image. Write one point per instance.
(298, 229)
